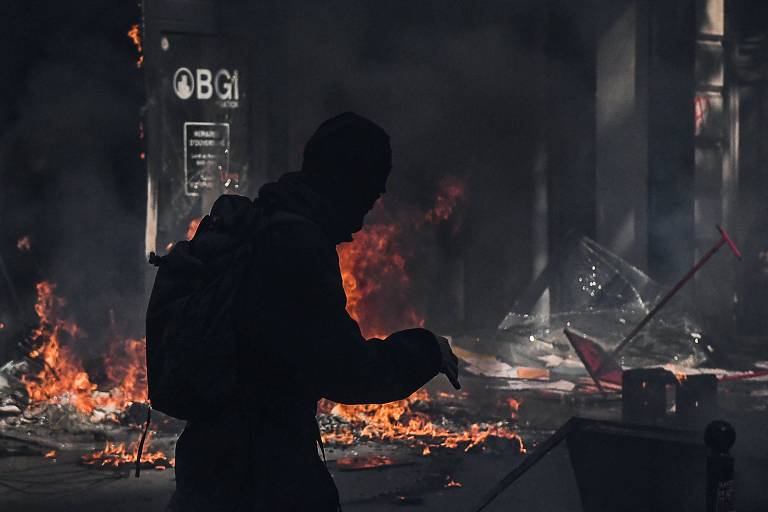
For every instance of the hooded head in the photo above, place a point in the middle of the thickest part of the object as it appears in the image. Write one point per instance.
(350, 158)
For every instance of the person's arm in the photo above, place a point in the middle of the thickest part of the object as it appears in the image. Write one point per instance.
(323, 346)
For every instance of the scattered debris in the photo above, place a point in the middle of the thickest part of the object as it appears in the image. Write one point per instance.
(117, 454)
(491, 366)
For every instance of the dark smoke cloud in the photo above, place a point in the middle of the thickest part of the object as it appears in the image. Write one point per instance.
(69, 156)
(459, 90)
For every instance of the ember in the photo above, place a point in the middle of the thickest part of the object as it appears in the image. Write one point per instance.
(396, 421)
(361, 463)
(192, 227)
(374, 269)
(373, 260)
(135, 35)
(514, 405)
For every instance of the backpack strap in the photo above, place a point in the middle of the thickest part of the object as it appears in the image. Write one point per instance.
(140, 450)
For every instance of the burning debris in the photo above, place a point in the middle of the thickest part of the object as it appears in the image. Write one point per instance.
(372, 263)
(364, 463)
(52, 391)
(61, 378)
(135, 36)
(116, 454)
(55, 389)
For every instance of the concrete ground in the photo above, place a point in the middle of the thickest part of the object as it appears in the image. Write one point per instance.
(31, 483)
(43, 485)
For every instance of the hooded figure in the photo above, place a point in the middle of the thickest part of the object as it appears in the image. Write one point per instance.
(298, 342)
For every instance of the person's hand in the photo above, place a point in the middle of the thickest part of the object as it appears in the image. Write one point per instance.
(449, 361)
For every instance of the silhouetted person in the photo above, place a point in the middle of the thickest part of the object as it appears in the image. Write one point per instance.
(298, 342)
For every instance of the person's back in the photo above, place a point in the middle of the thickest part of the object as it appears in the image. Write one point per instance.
(298, 342)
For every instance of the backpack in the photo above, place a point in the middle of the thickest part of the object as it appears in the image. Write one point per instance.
(192, 340)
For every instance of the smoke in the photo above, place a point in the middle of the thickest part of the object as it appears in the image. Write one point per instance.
(71, 176)
(458, 87)
(459, 91)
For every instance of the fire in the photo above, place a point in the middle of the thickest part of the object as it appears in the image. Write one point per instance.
(126, 365)
(373, 260)
(62, 379)
(369, 462)
(373, 267)
(396, 421)
(514, 406)
(374, 272)
(116, 454)
(135, 35)
(451, 483)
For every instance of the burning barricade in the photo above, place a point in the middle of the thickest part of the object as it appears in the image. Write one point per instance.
(52, 395)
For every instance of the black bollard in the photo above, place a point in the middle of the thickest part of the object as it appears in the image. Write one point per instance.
(719, 438)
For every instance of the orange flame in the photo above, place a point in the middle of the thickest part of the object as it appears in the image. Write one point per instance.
(397, 421)
(62, 379)
(116, 454)
(135, 35)
(373, 260)
(373, 263)
(374, 270)
(192, 227)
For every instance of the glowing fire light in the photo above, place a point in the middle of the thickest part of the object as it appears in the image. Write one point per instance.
(135, 35)
(116, 454)
(514, 406)
(396, 421)
(373, 267)
(192, 227)
(62, 379)
(373, 263)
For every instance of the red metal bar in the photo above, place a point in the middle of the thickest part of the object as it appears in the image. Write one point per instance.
(724, 239)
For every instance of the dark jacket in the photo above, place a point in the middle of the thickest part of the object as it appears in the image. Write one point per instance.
(299, 345)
